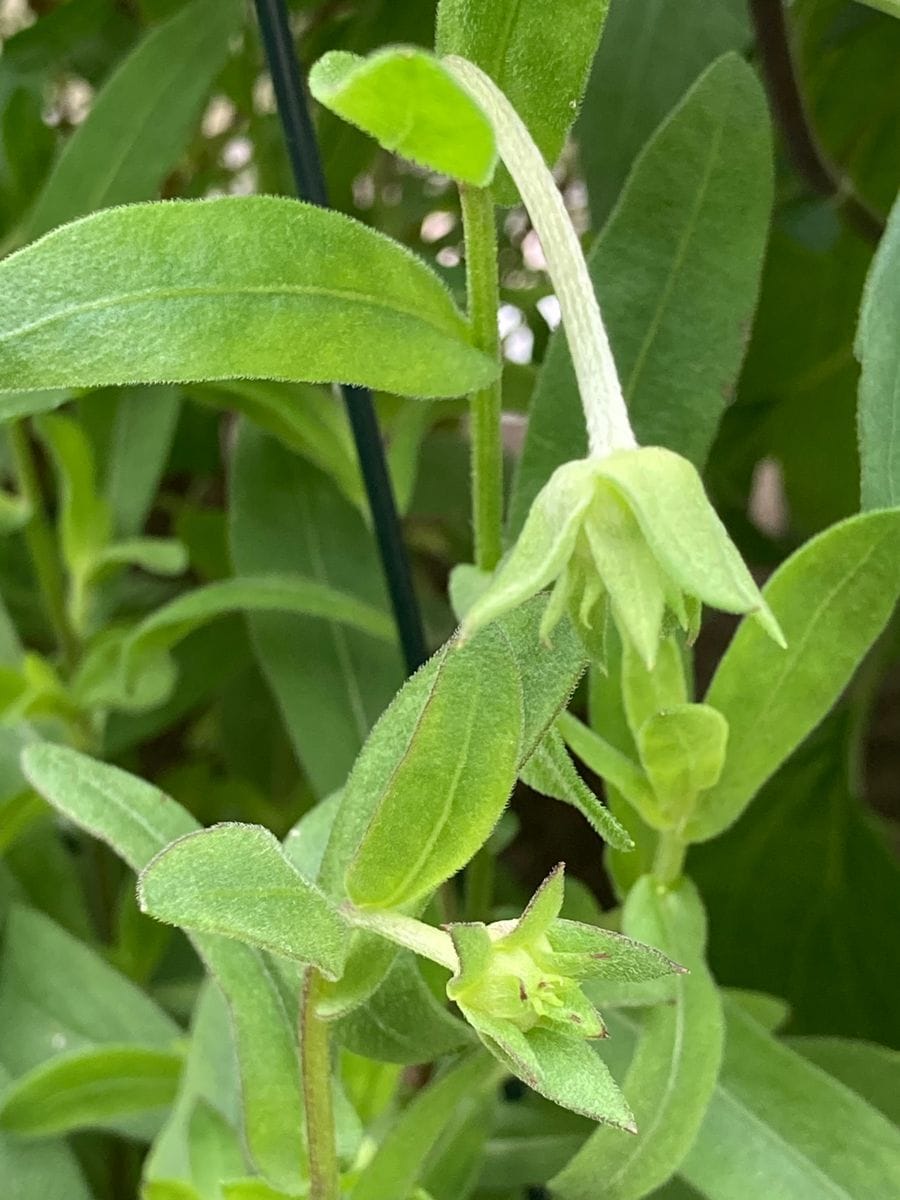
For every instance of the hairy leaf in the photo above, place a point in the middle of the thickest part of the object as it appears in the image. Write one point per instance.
(241, 286)
(407, 100)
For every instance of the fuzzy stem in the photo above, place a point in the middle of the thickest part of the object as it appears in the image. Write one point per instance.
(668, 865)
(605, 413)
(41, 543)
(485, 405)
(315, 1058)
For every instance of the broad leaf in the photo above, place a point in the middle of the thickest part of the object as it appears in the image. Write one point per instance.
(302, 293)
(406, 99)
(832, 599)
(433, 781)
(676, 270)
(234, 880)
(143, 426)
(879, 385)
(871, 1071)
(47, 1170)
(87, 1089)
(141, 118)
(674, 1069)
(540, 60)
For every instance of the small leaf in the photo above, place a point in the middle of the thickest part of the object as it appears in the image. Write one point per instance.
(86, 1089)
(551, 772)
(541, 64)
(832, 598)
(302, 293)
(682, 750)
(406, 99)
(645, 693)
(879, 384)
(234, 880)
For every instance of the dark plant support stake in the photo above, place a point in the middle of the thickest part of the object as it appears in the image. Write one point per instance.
(303, 151)
(773, 43)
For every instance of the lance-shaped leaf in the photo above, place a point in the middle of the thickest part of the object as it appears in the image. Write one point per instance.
(235, 880)
(672, 1075)
(879, 384)
(406, 99)
(551, 772)
(251, 286)
(439, 787)
(138, 821)
(540, 59)
(833, 597)
(141, 118)
(165, 628)
(88, 1089)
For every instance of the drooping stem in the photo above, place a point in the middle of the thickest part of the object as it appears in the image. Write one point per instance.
(789, 107)
(41, 542)
(407, 932)
(605, 413)
(315, 1058)
(487, 447)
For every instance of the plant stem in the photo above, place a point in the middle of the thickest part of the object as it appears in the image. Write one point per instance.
(485, 405)
(668, 864)
(606, 416)
(809, 158)
(41, 542)
(315, 1058)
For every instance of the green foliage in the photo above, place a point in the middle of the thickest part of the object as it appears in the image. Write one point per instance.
(173, 294)
(832, 598)
(412, 105)
(879, 385)
(337, 986)
(541, 65)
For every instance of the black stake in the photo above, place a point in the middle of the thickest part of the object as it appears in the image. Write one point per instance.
(303, 151)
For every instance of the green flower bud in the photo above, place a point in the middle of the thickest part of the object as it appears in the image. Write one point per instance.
(630, 535)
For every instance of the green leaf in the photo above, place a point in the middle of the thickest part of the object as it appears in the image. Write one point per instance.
(85, 522)
(406, 99)
(541, 64)
(139, 821)
(163, 629)
(551, 772)
(891, 7)
(682, 750)
(48, 1170)
(140, 120)
(650, 53)
(303, 293)
(400, 1159)
(57, 994)
(86, 1089)
(871, 1071)
(676, 270)
(674, 1069)
(143, 427)
(135, 818)
(777, 1117)
(879, 384)
(402, 1022)
(827, 964)
(832, 598)
(330, 682)
(234, 880)
(255, 1189)
(435, 786)
(309, 420)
